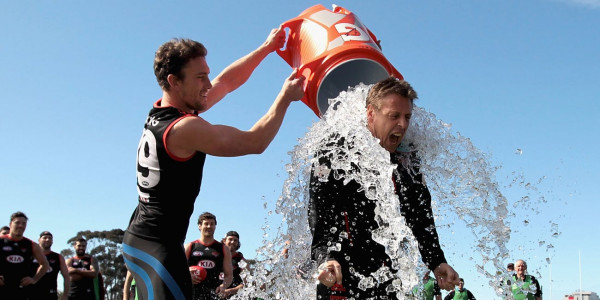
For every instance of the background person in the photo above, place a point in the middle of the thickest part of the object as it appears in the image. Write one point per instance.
(460, 293)
(17, 254)
(5, 230)
(46, 287)
(431, 289)
(525, 286)
(506, 282)
(232, 240)
(82, 272)
(510, 267)
(173, 148)
(211, 255)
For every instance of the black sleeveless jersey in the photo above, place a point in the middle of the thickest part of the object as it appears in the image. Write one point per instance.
(235, 262)
(46, 286)
(210, 257)
(84, 286)
(16, 259)
(167, 185)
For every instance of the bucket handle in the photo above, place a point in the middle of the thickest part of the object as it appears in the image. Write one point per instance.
(374, 38)
(293, 26)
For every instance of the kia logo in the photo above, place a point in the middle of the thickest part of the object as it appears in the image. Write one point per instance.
(15, 259)
(207, 264)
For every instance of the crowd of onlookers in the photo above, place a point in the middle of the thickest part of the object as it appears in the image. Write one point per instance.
(29, 270)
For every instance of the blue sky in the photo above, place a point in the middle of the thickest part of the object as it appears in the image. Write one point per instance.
(78, 83)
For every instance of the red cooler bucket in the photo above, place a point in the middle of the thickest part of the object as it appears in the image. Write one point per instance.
(334, 51)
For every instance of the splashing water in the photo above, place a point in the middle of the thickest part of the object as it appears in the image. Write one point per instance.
(458, 175)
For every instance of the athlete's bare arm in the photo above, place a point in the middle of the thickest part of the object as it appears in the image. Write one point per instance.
(127, 285)
(195, 134)
(239, 71)
(64, 271)
(77, 274)
(227, 271)
(38, 254)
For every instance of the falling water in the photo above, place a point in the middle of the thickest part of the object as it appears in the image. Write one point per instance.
(459, 176)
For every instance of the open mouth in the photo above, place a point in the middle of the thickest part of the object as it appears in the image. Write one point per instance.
(396, 137)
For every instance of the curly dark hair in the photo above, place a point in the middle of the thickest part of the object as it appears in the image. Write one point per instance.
(172, 56)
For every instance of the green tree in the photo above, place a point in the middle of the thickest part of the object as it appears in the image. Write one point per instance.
(106, 248)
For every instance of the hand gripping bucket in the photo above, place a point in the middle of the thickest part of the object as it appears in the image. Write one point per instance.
(334, 51)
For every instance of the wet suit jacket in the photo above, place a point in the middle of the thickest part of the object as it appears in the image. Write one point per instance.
(341, 213)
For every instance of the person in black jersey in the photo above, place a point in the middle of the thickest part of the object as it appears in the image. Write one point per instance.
(82, 272)
(340, 212)
(213, 256)
(17, 272)
(172, 151)
(232, 240)
(46, 287)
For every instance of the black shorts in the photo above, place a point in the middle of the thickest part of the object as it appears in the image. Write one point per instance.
(160, 269)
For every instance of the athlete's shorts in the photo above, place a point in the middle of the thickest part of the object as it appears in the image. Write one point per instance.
(160, 269)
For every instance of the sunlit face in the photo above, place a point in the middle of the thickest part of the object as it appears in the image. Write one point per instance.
(232, 242)
(17, 227)
(192, 90)
(390, 122)
(461, 284)
(521, 268)
(46, 242)
(80, 248)
(207, 227)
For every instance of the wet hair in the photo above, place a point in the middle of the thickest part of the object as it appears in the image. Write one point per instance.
(172, 56)
(206, 216)
(18, 214)
(390, 85)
